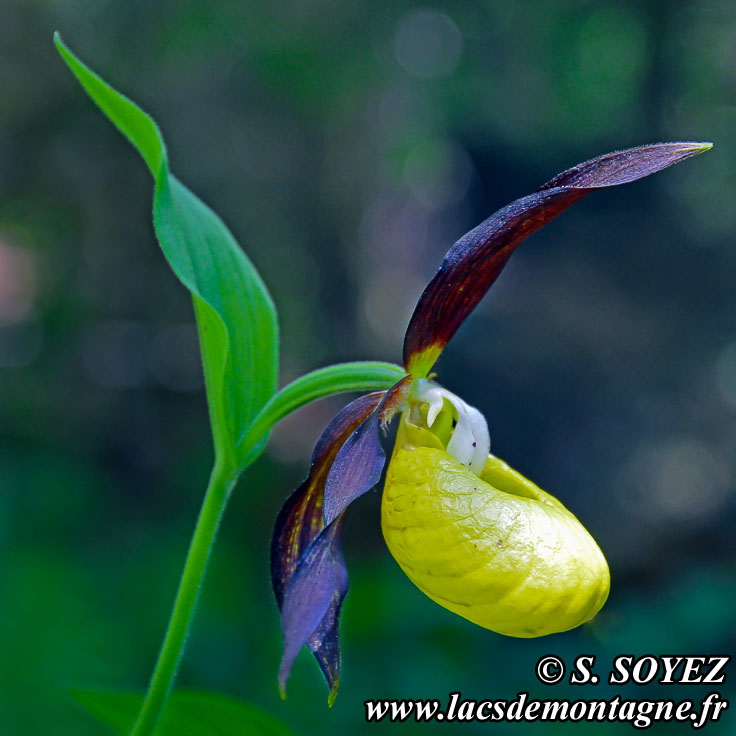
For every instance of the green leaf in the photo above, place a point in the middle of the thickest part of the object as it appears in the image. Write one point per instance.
(187, 713)
(236, 318)
(334, 379)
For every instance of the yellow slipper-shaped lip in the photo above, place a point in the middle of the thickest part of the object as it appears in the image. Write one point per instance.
(495, 548)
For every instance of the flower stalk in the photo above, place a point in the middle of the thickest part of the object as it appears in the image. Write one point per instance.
(172, 649)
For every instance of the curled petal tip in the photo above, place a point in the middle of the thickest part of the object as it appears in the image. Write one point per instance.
(687, 149)
(622, 167)
(698, 147)
(333, 695)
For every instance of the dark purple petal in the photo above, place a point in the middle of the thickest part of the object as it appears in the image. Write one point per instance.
(311, 604)
(307, 571)
(325, 641)
(475, 261)
(301, 518)
(356, 469)
(358, 464)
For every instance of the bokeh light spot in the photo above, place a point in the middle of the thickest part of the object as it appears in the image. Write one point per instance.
(428, 44)
(726, 374)
(438, 172)
(18, 283)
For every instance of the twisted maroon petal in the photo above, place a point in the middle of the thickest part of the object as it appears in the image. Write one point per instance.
(308, 573)
(475, 261)
(307, 570)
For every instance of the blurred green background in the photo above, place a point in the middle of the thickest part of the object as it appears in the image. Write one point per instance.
(348, 145)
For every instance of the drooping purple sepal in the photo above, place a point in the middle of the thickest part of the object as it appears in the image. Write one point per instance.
(476, 260)
(307, 569)
(301, 517)
(311, 606)
(325, 640)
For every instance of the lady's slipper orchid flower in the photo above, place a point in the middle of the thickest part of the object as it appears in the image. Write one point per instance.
(472, 533)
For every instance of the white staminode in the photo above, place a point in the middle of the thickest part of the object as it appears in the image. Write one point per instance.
(470, 442)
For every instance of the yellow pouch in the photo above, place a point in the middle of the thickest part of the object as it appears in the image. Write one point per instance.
(495, 549)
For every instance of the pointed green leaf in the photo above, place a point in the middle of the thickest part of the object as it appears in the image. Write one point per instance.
(236, 318)
(187, 713)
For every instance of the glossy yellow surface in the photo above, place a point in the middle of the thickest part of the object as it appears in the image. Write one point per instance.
(495, 549)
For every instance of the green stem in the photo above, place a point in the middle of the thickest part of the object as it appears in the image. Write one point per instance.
(182, 614)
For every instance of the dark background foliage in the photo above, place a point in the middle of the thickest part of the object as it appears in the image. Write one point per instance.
(348, 145)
